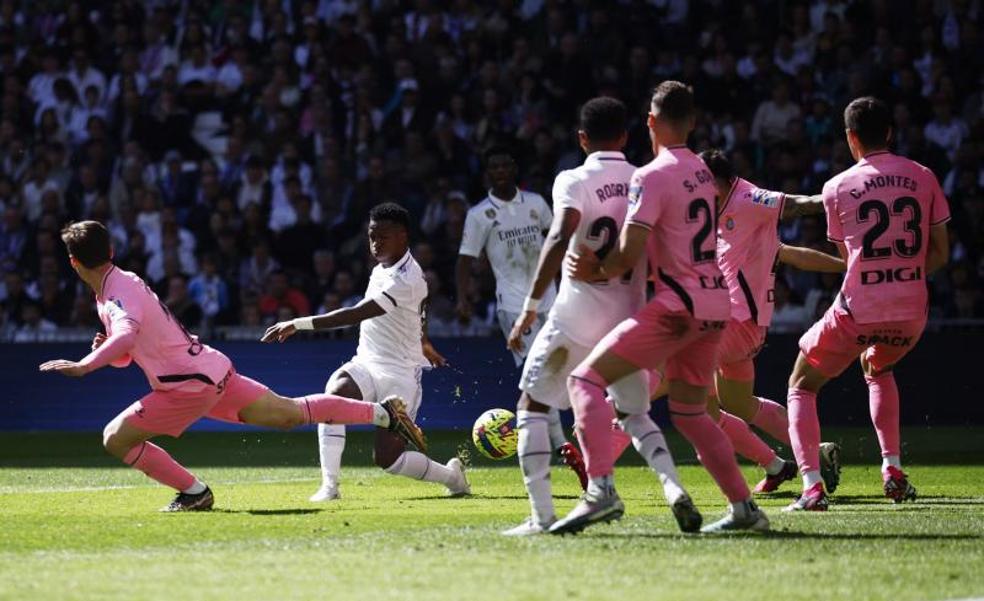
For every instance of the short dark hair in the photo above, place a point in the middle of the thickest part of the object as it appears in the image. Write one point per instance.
(88, 242)
(719, 164)
(496, 151)
(673, 101)
(870, 119)
(603, 119)
(392, 212)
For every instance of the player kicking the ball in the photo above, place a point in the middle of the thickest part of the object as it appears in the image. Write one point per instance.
(671, 217)
(887, 215)
(589, 208)
(509, 227)
(748, 250)
(189, 380)
(389, 358)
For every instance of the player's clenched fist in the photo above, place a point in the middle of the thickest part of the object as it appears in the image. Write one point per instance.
(279, 331)
(98, 340)
(520, 327)
(582, 265)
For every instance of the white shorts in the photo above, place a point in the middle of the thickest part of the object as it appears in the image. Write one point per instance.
(554, 356)
(377, 381)
(506, 321)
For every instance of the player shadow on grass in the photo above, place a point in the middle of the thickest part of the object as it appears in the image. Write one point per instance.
(924, 501)
(486, 497)
(296, 511)
(787, 534)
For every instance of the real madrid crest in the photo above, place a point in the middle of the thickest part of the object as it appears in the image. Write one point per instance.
(490, 213)
(534, 215)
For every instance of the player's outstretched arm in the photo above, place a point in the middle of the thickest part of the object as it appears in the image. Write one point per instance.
(585, 265)
(797, 206)
(339, 318)
(111, 350)
(939, 248)
(808, 259)
(462, 273)
(548, 266)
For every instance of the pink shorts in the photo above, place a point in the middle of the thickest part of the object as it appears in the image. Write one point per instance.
(837, 340)
(654, 336)
(172, 411)
(742, 341)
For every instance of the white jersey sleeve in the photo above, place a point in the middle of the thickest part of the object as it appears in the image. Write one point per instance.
(475, 234)
(566, 193)
(545, 214)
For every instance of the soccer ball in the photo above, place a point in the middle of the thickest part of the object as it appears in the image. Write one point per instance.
(495, 435)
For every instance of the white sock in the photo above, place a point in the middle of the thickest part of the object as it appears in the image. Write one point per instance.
(742, 508)
(891, 460)
(602, 486)
(331, 443)
(534, 461)
(775, 467)
(420, 467)
(197, 488)
(811, 478)
(557, 436)
(649, 441)
(380, 416)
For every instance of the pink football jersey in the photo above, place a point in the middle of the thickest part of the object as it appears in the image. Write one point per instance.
(748, 242)
(674, 196)
(882, 209)
(168, 355)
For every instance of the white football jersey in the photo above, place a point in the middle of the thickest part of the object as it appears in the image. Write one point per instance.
(599, 191)
(394, 337)
(511, 234)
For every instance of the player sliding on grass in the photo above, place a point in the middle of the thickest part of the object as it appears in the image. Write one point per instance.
(390, 356)
(748, 250)
(189, 380)
(671, 218)
(888, 217)
(589, 208)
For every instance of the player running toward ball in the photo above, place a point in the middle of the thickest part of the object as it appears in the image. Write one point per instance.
(389, 358)
(589, 208)
(887, 215)
(671, 218)
(189, 380)
(509, 226)
(748, 251)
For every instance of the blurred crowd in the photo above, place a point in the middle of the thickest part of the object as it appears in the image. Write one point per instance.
(235, 148)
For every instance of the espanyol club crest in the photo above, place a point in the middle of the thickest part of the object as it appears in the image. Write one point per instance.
(729, 223)
(490, 213)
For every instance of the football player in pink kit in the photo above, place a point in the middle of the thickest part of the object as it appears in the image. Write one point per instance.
(748, 251)
(189, 380)
(888, 217)
(671, 218)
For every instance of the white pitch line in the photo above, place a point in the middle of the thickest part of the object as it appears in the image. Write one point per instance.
(8, 490)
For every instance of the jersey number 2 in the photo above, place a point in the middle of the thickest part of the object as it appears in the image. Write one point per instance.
(698, 210)
(608, 227)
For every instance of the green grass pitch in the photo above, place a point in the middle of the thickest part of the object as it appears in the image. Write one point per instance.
(73, 525)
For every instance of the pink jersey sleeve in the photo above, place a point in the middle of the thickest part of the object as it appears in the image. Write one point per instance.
(644, 205)
(939, 211)
(835, 229)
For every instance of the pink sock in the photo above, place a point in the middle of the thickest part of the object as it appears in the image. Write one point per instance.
(157, 464)
(883, 401)
(592, 420)
(330, 409)
(804, 428)
(713, 448)
(771, 418)
(746, 443)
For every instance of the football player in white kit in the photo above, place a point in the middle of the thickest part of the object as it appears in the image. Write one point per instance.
(509, 226)
(389, 358)
(590, 204)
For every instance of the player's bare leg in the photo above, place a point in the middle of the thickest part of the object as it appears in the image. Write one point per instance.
(130, 444)
(804, 433)
(275, 411)
(883, 402)
(532, 421)
(331, 439)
